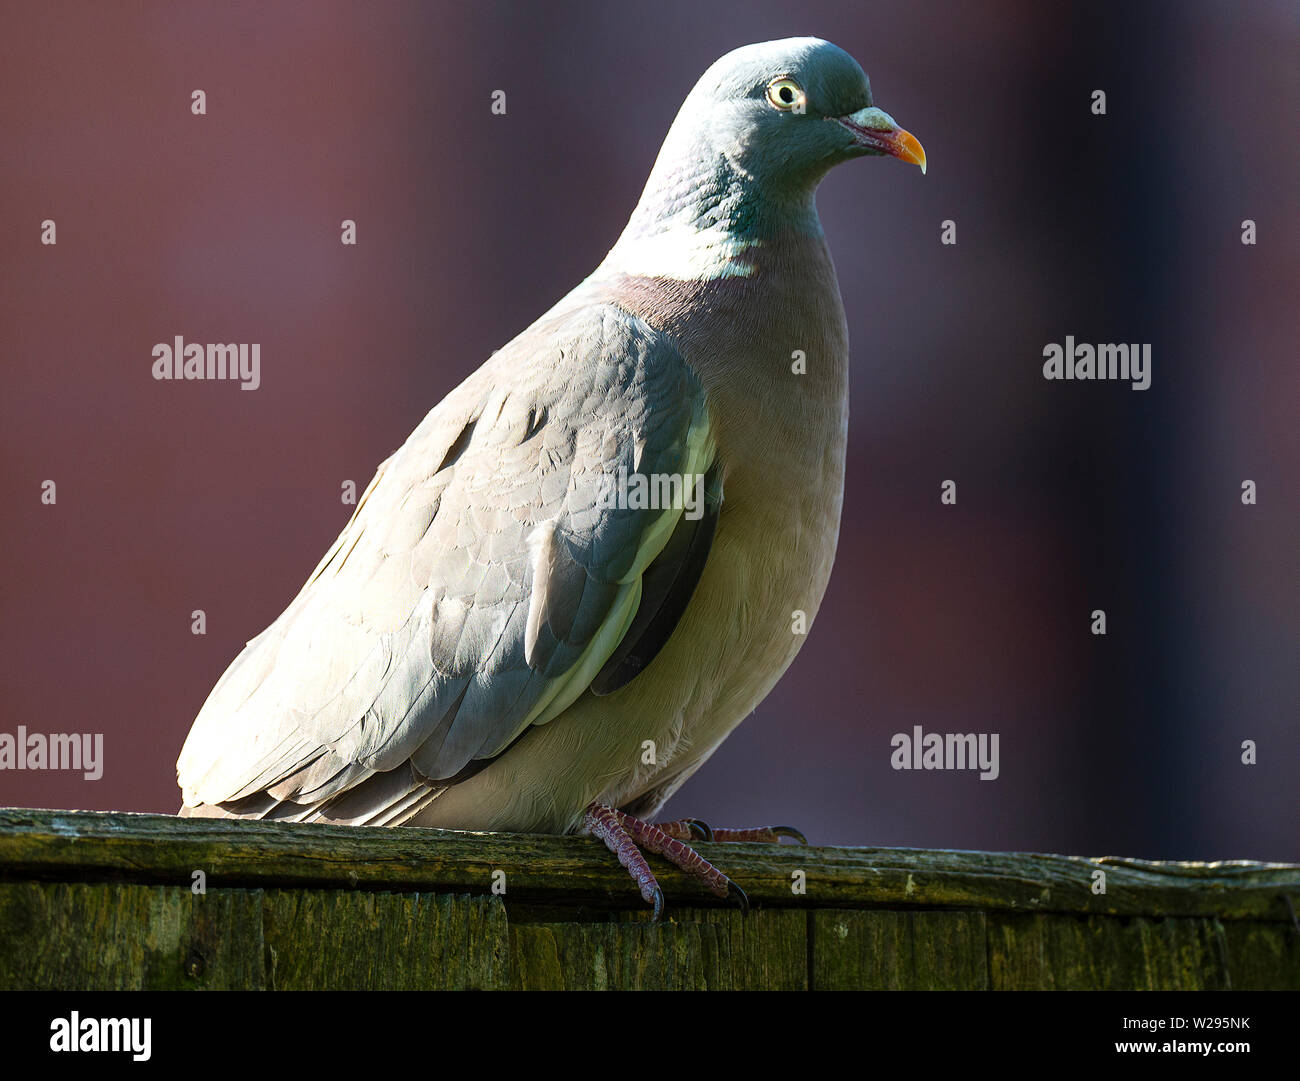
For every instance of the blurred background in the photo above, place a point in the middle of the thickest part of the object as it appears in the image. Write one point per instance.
(1117, 228)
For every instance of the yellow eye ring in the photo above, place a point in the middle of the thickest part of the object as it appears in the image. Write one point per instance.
(784, 93)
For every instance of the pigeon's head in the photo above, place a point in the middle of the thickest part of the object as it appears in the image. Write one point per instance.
(743, 158)
(784, 112)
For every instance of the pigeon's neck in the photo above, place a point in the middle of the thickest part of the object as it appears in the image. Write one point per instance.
(701, 219)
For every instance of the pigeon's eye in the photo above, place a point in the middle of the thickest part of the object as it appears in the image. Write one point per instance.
(785, 93)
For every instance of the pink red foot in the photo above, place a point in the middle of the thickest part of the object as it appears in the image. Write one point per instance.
(623, 834)
(693, 829)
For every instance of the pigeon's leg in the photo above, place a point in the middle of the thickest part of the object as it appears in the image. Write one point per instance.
(692, 829)
(622, 834)
(603, 822)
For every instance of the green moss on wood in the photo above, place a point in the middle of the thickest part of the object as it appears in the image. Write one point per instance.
(104, 901)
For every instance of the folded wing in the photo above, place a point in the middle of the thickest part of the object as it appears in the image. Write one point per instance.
(493, 571)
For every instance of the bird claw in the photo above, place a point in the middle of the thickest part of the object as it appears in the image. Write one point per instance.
(759, 835)
(696, 829)
(742, 898)
(622, 834)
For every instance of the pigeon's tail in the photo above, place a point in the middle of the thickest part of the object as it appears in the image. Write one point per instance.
(385, 799)
(258, 806)
(204, 810)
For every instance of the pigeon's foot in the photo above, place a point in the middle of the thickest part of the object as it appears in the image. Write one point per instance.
(623, 834)
(692, 829)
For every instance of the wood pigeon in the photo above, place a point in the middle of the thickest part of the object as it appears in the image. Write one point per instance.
(591, 560)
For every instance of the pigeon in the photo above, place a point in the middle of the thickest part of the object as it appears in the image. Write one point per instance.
(597, 555)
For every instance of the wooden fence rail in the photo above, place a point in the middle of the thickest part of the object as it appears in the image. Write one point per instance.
(92, 900)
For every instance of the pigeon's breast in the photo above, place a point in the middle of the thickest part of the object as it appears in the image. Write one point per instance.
(771, 350)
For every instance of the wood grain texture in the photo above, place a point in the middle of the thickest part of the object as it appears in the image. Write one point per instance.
(1057, 952)
(1262, 956)
(125, 937)
(899, 951)
(339, 940)
(568, 870)
(697, 950)
(104, 901)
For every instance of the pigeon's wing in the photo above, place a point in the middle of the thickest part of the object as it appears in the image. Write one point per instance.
(499, 564)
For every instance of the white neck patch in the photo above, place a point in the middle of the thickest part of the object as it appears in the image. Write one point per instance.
(680, 251)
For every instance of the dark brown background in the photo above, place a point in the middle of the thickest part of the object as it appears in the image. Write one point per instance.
(176, 496)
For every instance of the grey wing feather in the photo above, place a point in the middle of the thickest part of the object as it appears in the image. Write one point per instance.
(666, 588)
(481, 585)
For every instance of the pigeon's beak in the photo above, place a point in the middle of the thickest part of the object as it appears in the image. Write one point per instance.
(876, 130)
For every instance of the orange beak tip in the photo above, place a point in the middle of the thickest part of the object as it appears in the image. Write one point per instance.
(910, 149)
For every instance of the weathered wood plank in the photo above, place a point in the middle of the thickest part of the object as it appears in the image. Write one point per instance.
(340, 940)
(1262, 956)
(899, 951)
(1184, 954)
(699, 950)
(1016, 950)
(1095, 953)
(572, 870)
(768, 948)
(616, 956)
(103, 901)
(869, 951)
(883, 950)
(73, 936)
(120, 936)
